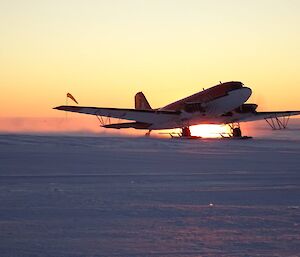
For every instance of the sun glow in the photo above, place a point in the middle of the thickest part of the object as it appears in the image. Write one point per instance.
(209, 130)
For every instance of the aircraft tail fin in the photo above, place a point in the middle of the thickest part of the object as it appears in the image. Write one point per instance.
(141, 102)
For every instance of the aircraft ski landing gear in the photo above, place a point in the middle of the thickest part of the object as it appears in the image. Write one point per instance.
(185, 132)
(236, 132)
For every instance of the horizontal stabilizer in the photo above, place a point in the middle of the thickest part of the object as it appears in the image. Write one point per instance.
(135, 125)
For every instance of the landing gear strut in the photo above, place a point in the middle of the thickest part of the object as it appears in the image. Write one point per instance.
(277, 123)
(185, 132)
(236, 131)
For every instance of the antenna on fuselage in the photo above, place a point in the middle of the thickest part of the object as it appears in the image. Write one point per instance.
(220, 82)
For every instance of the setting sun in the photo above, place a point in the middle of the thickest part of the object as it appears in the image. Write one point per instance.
(210, 131)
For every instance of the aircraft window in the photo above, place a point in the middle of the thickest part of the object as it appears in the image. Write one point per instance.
(237, 85)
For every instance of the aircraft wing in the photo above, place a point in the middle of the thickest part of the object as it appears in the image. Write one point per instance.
(269, 115)
(145, 116)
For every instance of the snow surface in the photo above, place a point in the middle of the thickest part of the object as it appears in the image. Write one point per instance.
(120, 196)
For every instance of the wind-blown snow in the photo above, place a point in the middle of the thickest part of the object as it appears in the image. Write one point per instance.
(118, 196)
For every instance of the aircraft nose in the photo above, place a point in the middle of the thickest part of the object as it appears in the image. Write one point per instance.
(245, 93)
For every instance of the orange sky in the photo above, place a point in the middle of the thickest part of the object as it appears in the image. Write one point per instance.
(103, 52)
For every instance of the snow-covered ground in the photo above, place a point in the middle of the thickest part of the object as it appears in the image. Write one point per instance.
(124, 196)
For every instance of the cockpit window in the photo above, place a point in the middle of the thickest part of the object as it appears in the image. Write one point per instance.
(235, 85)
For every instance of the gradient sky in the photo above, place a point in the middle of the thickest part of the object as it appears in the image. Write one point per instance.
(103, 52)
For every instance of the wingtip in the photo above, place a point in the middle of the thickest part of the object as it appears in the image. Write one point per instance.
(57, 107)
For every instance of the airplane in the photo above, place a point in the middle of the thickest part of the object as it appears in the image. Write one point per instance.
(224, 103)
